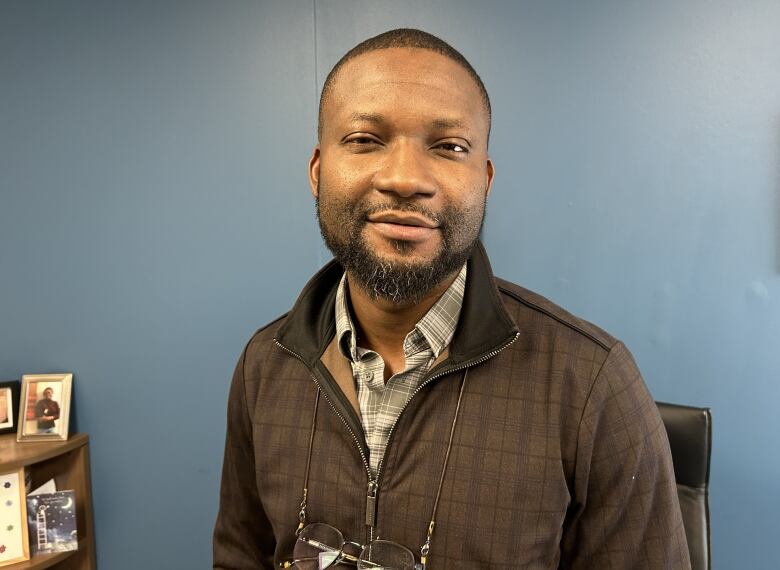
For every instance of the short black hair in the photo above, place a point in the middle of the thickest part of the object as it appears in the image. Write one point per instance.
(403, 38)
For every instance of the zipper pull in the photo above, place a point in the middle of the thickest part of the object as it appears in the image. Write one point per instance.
(371, 503)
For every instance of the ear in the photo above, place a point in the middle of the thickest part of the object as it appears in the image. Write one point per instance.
(314, 171)
(491, 172)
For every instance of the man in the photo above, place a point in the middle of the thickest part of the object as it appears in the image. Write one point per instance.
(409, 395)
(46, 411)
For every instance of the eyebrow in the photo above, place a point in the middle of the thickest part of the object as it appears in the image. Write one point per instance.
(448, 124)
(377, 119)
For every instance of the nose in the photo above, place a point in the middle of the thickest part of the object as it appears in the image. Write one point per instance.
(404, 172)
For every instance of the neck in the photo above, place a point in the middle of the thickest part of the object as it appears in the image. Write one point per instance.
(383, 325)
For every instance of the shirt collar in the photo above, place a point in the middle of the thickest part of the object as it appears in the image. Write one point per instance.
(345, 328)
(435, 329)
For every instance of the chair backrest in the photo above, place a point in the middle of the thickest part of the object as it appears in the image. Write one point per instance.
(690, 438)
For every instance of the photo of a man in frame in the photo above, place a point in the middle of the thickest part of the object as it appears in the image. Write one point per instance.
(47, 411)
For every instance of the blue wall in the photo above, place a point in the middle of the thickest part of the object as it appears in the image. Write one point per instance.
(154, 211)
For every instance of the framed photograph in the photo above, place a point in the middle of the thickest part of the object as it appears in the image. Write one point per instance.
(9, 405)
(14, 543)
(44, 407)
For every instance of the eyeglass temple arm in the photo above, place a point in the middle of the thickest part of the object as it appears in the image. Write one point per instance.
(343, 556)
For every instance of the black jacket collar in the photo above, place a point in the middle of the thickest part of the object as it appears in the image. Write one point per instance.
(484, 324)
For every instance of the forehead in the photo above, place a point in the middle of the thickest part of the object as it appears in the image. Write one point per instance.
(406, 81)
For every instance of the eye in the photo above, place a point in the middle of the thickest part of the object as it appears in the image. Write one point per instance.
(360, 141)
(453, 148)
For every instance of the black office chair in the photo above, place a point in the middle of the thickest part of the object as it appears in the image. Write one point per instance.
(690, 438)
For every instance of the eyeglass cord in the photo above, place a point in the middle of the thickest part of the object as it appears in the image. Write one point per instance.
(302, 510)
(426, 547)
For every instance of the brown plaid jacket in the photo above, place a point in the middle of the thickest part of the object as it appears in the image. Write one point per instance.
(559, 458)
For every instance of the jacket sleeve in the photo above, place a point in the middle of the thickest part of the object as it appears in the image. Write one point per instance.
(242, 535)
(625, 512)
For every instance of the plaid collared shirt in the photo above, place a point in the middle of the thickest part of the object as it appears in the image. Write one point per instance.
(380, 403)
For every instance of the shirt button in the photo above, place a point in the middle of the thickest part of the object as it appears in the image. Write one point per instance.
(369, 375)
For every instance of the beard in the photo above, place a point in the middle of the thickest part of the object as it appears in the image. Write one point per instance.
(402, 282)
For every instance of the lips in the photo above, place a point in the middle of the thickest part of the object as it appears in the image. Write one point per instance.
(403, 219)
(403, 226)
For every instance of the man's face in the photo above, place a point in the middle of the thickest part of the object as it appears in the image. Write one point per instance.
(402, 173)
(47, 393)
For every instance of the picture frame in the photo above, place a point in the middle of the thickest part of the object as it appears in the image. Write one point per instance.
(44, 407)
(15, 544)
(9, 406)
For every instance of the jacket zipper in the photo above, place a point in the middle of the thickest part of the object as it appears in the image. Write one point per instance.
(373, 487)
(373, 482)
(480, 360)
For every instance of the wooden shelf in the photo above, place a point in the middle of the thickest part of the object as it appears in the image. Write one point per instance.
(14, 455)
(67, 462)
(42, 561)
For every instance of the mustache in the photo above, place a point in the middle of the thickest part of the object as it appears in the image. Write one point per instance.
(398, 206)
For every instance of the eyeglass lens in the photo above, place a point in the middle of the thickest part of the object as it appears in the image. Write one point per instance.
(318, 546)
(385, 555)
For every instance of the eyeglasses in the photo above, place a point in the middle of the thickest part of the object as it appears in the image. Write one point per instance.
(321, 546)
